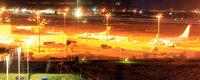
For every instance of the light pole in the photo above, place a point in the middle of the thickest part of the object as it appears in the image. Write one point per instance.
(107, 33)
(64, 30)
(19, 54)
(7, 65)
(64, 14)
(1, 19)
(107, 17)
(77, 3)
(38, 21)
(27, 47)
(158, 16)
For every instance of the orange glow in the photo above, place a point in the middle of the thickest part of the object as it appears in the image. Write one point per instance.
(159, 16)
(38, 13)
(1, 12)
(67, 10)
(3, 9)
(195, 11)
(108, 15)
(64, 14)
(78, 13)
(103, 10)
(123, 10)
(134, 11)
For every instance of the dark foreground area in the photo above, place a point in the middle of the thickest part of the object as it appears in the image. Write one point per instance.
(154, 69)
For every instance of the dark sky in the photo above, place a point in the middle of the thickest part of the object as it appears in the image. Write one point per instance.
(142, 4)
(164, 4)
(154, 4)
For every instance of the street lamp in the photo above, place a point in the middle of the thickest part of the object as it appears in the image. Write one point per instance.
(158, 16)
(38, 17)
(1, 19)
(19, 54)
(78, 13)
(38, 21)
(27, 47)
(64, 14)
(107, 16)
(66, 9)
(64, 28)
(7, 65)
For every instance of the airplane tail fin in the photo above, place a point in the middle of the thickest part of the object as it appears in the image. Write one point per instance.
(186, 32)
(156, 36)
(106, 32)
(197, 39)
(43, 22)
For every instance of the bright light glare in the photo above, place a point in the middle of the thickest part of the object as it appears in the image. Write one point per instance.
(16, 10)
(83, 59)
(6, 41)
(37, 12)
(24, 10)
(11, 9)
(107, 15)
(64, 14)
(159, 16)
(3, 9)
(103, 10)
(126, 59)
(67, 9)
(78, 13)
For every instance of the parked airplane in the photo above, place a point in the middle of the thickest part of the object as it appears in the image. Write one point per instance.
(106, 32)
(101, 35)
(33, 29)
(171, 41)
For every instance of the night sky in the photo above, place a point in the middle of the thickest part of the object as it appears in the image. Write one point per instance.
(141, 4)
(164, 4)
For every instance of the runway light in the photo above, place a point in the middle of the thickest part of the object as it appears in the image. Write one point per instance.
(123, 10)
(94, 9)
(83, 59)
(140, 12)
(126, 59)
(135, 11)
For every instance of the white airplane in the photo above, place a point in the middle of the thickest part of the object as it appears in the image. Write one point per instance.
(171, 41)
(32, 28)
(102, 35)
(105, 33)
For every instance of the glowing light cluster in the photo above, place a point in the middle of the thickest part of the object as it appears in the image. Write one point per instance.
(25, 28)
(78, 13)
